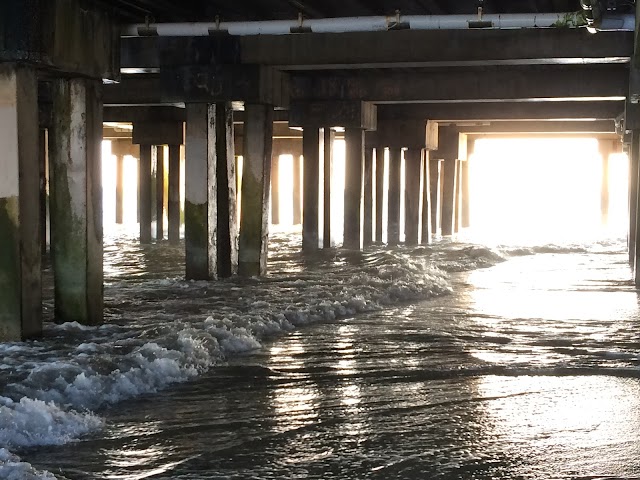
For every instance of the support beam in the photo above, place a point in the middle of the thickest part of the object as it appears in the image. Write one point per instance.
(368, 196)
(427, 226)
(76, 200)
(227, 204)
(254, 222)
(159, 192)
(43, 169)
(457, 216)
(275, 188)
(412, 194)
(435, 180)
(634, 159)
(144, 192)
(380, 173)
(200, 207)
(119, 189)
(173, 205)
(354, 165)
(329, 138)
(606, 148)
(393, 224)
(20, 273)
(449, 196)
(297, 187)
(311, 188)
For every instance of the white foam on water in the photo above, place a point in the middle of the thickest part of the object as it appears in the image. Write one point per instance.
(12, 468)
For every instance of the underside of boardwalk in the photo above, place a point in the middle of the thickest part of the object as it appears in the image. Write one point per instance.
(206, 82)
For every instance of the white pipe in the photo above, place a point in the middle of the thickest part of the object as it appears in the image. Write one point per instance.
(361, 24)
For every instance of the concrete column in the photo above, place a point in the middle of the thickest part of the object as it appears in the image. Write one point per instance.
(20, 249)
(449, 195)
(634, 158)
(159, 192)
(354, 138)
(606, 148)
(200, 207)
(435, 181)
(254, 222)
(119, 188)
(275, 188)
(173, 205)
(412, 194)
(329, 137)
(368, 197)
(144, 193)
(297, 211)
(393, 226)
(76, 200)
(311, 188)
(379, 192)
(227, 221)
(459, 200)
(465, 213)
(42, 164)
(426, 222)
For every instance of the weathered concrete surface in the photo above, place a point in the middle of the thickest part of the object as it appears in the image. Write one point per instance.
(354, 164)
(173, 203)
(347, 114)
(76, 200)
(412, 194)
(393, 225)
(256, 173)
(275, 188)
(20, 277)
(634, 170)
(329, 138)
(311, 188)
(449, 196)
(227, 227)
(144, 193)
(200, 207)
(60, 35)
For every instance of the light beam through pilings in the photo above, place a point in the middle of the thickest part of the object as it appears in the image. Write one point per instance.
(544, 190)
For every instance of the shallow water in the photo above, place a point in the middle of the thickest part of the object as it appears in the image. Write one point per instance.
(411, 363)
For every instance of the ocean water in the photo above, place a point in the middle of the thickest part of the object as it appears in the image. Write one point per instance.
(452, 361)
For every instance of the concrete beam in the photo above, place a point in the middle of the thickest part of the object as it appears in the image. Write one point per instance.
(144, 113)
(354, 165)
(158, 133)
(435, 48)
(527, 127)
(531, 83)
(399, 134)
(333, 114)
(494, 111)
(63, 36)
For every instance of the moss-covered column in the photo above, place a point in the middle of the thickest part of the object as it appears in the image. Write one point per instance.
(311, 188)
(256, 175)
(20, 249)
(435, 181)
(329, 138)
(227, 221)
(173, 203)
(379, 192)
(412, 194)
(393, 224)
(354, 166)
(76, 200)
(200, 206)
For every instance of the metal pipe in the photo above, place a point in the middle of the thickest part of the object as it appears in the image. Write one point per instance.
(376, 23)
